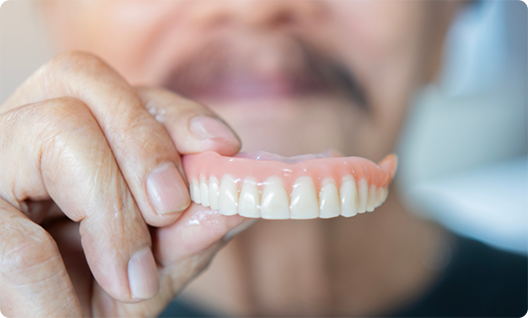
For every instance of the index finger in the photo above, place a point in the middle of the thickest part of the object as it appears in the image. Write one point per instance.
(142, 148)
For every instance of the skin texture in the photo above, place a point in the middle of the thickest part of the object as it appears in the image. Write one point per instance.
(85, 145)
(82, 135)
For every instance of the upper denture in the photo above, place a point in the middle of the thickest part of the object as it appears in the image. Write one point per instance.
(274, 187)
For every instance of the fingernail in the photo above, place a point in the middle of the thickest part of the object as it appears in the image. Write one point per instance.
(143, 275)
(207, 127)
(166, 190)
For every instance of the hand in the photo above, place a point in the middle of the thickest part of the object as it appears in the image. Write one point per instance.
(84, 168)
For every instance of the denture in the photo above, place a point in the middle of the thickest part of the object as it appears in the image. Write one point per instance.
(269, 186)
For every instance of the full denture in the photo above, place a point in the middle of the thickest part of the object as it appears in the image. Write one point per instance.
(273, 187)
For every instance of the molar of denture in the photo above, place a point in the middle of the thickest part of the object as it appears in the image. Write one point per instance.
(348, 195)
(304, 203)
(385, 194)
(362, 186)
(274, 203)
(329, 200)
(379, 196)
(248, 203)
(214, 192)
(228, 198)
(195, 191)
(204, 191)
(371, 204)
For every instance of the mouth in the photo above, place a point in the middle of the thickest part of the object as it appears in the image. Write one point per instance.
(255, 87)
(260, 67)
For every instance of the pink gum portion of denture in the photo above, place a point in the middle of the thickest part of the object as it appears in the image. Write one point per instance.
(211, 163)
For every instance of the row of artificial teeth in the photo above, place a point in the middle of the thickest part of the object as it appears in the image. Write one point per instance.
(273, 202)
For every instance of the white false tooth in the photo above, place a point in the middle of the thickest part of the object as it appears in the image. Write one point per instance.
(214, 192)
(195, 191)
(371, 205)
(204, 189)
(362, 195)
(304, 203)
(228, 198)
(385, 194)
(248, 203)
(191, 191)
(329, 198)
(379, 196)
(274, 200)
(348, 197)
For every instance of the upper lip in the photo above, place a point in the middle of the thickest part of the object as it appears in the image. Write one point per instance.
(262, 67)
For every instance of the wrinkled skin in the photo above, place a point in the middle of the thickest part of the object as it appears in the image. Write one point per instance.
(79, 145)
(82, 135)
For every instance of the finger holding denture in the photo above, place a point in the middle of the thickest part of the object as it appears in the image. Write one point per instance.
(268, 186)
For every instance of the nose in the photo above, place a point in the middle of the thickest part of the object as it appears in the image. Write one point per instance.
(256, 13)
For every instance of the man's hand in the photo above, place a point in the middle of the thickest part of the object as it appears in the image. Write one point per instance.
(84, 168)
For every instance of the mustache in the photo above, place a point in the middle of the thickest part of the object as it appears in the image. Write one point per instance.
(308, 68)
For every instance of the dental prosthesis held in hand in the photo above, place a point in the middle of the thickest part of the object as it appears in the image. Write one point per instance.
(270, 186)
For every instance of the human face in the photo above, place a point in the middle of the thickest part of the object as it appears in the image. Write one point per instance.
(291, 77)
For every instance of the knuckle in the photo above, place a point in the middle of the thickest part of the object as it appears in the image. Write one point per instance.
(70, 138)
(38, 124)
(47, 125)
(64, 107)
(76, 59)
(25, 247)
(50, 119)
(64, 117)
(65, 114)
(71, 64)
(53, 109)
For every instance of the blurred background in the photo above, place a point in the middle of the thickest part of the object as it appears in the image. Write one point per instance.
(464, 150)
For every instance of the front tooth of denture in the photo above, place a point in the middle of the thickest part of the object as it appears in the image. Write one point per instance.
(214, 192)
(348, 197)
(362, 195)
(195, 191)
(191, 191)
(304, 203)
(204, 191)
(248, 203)
(228, 199)
(274, 200)
(329, 198)
(371, 204)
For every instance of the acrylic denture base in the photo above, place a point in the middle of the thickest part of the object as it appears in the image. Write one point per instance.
(304, 187)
